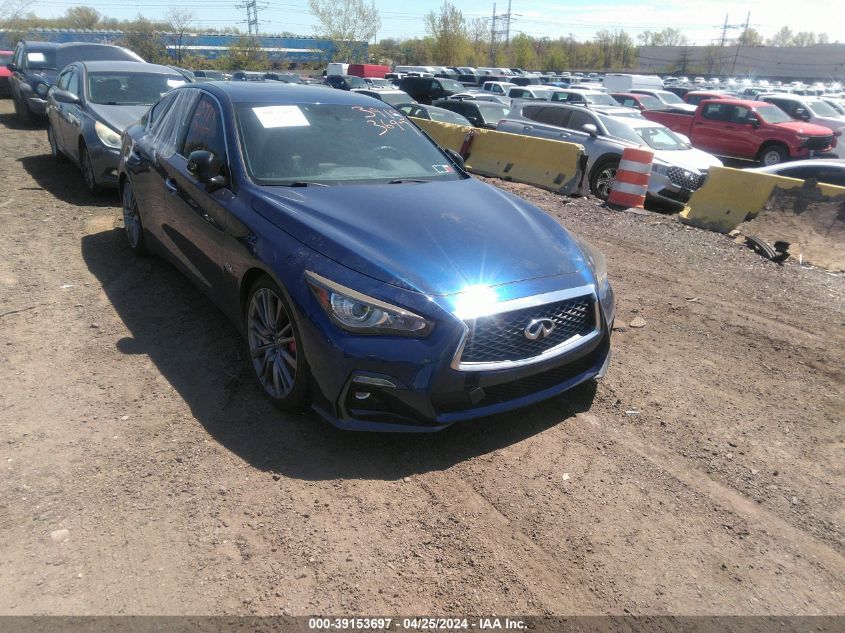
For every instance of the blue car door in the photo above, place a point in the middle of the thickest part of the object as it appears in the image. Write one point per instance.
(193, 215)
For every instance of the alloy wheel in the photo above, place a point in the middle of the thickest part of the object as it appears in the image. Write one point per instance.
(131, 220)
(272, 344)
(604, 182)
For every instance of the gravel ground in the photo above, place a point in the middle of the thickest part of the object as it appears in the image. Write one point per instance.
(143, 473)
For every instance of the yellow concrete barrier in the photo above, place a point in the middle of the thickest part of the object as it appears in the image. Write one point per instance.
(553, 165)
(730, 196)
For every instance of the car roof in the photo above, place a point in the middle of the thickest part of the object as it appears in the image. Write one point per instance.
(44, 46)
(820, 162)
(128, 66)
(281, 93)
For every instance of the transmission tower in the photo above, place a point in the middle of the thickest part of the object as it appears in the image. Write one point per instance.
(501, 30)
(252, 7)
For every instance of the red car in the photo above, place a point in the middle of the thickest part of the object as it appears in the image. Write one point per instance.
(5, 73)
(694, 97)
(638, 101)
(752, 130)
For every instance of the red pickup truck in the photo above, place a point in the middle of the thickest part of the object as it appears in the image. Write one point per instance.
(752, 130)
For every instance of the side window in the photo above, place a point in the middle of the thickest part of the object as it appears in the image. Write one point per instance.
(73, 82)
(497, 88)
(580, 118)
(629, 103)
(739, 114)
(170, 126)
(61, 84)
(712, 111)
(786, 106)
(205, 131)
(157, 111)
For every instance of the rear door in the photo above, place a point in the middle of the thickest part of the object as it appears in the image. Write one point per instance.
(72, 115)
(739, 134)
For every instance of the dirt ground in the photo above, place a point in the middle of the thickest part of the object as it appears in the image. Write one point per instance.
(143, 473)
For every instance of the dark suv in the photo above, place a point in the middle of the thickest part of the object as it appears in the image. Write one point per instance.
(345, 82)
(427, 89)
(35, 66)
(484, 114)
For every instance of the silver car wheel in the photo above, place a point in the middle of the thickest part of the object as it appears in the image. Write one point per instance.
(772, 157)
(604, 182)
(272, 345)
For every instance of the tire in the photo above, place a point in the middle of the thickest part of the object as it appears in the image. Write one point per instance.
(87, 168)
(274, 349)
(132, 224)
(602, 178)
(54, 146)
(773, 155)
(22, 112)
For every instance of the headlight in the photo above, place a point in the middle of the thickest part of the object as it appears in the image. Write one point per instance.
(42, 89)
(361, 314)
(108, 136)
(598, 264)
(660, 168)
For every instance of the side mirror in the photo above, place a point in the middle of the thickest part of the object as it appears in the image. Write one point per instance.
(457, 158)
(11, 66)
(63, 96)
(205, 167)
(590, 129)
(474, 120)
(755, 122)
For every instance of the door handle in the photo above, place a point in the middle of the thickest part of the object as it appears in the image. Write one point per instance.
(171, 185)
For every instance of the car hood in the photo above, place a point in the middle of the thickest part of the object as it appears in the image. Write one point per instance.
(833, 123)
(47, 75)
(437, 238)
(799, 127)
(118, 117)
(688, 158)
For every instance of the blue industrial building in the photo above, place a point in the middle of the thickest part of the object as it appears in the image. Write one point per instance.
(208, 45)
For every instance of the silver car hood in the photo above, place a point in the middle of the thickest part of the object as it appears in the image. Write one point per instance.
(688, 158)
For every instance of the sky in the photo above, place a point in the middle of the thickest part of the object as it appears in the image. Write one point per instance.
(700, 20)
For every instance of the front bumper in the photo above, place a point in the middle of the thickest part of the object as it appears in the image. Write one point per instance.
(410, 385)
(105, 161)
(662, 190)
(37, 105)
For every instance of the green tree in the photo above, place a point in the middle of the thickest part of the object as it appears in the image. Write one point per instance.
(245, 54)
(782, 38)
(82, 17)
(750, 37)
(449, 35)
(667, 37)
(141, 36)
(347, 23)
(804, 38)
(523, 51)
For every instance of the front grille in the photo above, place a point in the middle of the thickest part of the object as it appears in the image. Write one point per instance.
(686, 179)
(818, 142)
(501, 337)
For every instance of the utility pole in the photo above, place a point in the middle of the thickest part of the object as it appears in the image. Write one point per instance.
(493, 38)
(499, 32)
(740, 41)
(252, 8)
(724, 32)
(508, 27)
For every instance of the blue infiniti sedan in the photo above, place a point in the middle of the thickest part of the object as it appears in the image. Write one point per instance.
(373, 279)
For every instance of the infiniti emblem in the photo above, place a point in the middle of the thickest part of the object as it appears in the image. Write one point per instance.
(538, 328)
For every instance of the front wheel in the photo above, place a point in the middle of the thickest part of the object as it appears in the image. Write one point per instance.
(88, 171)
(274, 347)
(603, 177)
(54, 145)
(773, 155)
(132, 222)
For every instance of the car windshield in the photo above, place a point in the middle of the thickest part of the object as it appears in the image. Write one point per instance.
(38, 60)
(380, 83)
(661, 138)
(772, 114)
(839, 107)
(130, 88)
(492, 112)
(821, 108)
(620, 130)
(669, 97)
(601, 99)
(650, 103)
(394, 98)
(355, 82)
(333, 144)
(447, 116)
(452, 85)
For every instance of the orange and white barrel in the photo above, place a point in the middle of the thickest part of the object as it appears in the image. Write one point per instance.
(631, 183)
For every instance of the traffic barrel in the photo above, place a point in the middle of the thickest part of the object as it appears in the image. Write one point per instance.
(631, 183)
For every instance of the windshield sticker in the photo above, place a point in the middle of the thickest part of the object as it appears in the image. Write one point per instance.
(442, 169)
(281, 116)
(383, 120)
(36, 57)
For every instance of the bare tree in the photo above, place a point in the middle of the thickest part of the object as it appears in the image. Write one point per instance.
(11, 11)
(347, 23)
(180, 23)
(82, 17)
